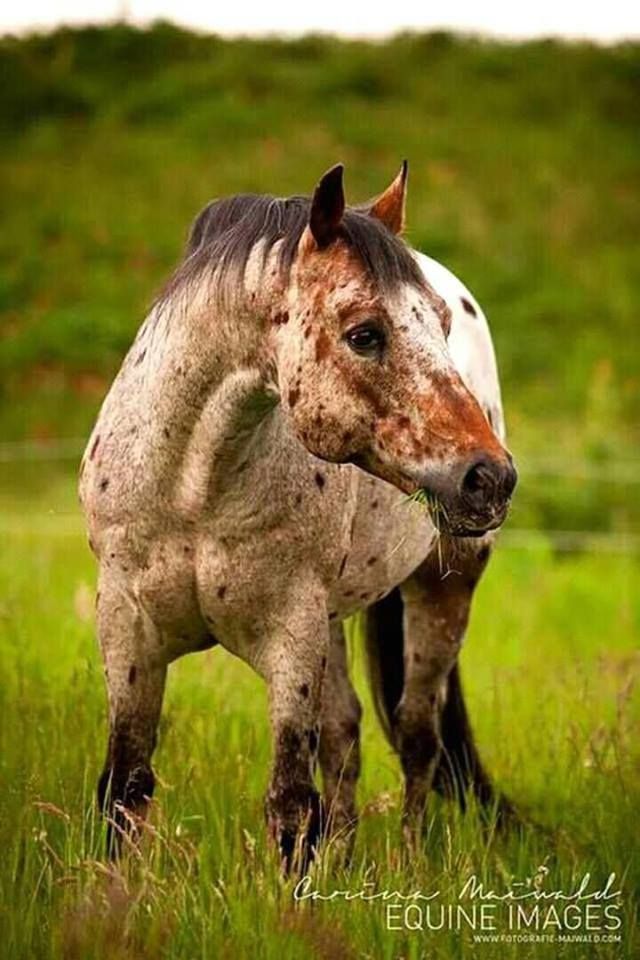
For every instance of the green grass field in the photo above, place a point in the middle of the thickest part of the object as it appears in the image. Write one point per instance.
(551, 667)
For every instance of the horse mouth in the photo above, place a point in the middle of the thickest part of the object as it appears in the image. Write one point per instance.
(463, 530)
(454, 521)
(451, 514)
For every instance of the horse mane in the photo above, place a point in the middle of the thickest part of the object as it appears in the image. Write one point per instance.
(226, 231)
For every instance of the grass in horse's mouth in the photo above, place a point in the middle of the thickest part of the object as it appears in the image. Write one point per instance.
(433, 504)
(437, 513)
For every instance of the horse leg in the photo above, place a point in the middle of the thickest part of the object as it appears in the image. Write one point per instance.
(339, 752)
(430, 713)
(135, 685)
(460, 769)
(293, 661)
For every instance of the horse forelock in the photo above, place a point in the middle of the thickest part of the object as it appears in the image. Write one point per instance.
(226, 233)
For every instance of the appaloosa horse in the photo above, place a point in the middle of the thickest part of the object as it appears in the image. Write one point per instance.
(247, 483)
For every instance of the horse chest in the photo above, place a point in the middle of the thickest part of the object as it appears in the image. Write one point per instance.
(356, 536)
(389, 539)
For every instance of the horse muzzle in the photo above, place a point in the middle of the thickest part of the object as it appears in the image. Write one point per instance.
(474, 497)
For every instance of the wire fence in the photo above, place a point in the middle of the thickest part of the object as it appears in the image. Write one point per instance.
(624, 472)
(618, 471)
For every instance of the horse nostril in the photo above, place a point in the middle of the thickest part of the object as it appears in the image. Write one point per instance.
(489, 479)
(479, 479)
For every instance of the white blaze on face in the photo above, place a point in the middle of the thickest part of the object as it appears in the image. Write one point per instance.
(469, 343)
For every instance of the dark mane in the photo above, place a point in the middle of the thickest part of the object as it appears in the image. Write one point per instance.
(225, 232)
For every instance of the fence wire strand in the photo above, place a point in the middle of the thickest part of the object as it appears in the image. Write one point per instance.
(626, 472)
(611, 471)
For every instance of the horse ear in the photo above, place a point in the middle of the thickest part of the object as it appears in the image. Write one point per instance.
(327, 207)
(389, 207)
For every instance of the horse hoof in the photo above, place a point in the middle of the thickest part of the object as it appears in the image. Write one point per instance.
(297, 834)
(123, 800)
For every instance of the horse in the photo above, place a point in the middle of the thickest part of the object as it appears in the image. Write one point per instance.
(251, 480)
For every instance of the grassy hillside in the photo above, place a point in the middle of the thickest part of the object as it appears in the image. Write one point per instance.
(524, 179)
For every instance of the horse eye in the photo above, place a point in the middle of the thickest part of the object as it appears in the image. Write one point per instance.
(366, 339)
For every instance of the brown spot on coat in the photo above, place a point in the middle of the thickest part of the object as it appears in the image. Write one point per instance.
(281, 318)
(294, 395)
(320, 480)
(468, 307)
(304, 690)
(221, 591)
(104, 484)
(132, 673)
(343, 564)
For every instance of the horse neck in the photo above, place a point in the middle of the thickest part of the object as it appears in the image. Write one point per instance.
(206, 382)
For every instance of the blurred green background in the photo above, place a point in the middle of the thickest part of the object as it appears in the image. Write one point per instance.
(524, 180)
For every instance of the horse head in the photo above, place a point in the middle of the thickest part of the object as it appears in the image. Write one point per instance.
(364, 370)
